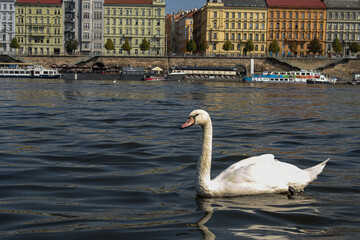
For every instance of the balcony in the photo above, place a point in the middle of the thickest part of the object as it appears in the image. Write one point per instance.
(38, 34)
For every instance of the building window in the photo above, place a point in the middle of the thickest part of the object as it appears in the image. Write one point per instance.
(86, 15)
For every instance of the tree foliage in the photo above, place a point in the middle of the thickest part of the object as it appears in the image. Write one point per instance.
(191, 45)
(227, 45)
(293, 47)
(71, 45)
(203, 46)
(144, 45)
(274, 47)
(354, 47)
(109, 45)
(249, 46)
(14, 43)
(315, 46)
(126, 46)
(336, 45)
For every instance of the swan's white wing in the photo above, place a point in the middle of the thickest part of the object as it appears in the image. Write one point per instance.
(260, 174)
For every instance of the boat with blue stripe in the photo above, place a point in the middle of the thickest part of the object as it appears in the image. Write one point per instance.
(303, 76)
(26, 70)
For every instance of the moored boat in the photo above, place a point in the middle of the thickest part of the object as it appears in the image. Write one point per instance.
(205, 73)
(175, 76)
(25, 70)
(302, 76)
(322, 80)
(150, 77)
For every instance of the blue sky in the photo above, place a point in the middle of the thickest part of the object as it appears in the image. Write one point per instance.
(175, 5)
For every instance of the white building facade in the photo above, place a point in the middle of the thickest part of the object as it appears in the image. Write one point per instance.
(91, 41)
(7, 26)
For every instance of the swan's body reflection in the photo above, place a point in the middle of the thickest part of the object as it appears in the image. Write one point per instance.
(268, 216)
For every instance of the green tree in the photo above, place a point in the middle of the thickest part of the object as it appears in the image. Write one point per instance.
(109, 45)
(274, 47)
(315, 46)
(126, 46)
(227, 45)
(191, 46)
(14, 43)
(71, 45)
(144, 45)
(336, 45)
(249, 46)
(293, 47)
(354, 47)
(203, 46)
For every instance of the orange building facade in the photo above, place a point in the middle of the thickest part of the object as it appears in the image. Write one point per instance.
(294, 24)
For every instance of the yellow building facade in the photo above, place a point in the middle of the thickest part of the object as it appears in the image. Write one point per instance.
(184, 32)
(294, 26)
(39, 27)
(238, 22)
(135, 21)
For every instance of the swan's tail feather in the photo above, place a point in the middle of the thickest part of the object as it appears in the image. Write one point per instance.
(317, 169)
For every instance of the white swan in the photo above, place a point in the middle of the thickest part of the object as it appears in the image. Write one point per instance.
(254, 175)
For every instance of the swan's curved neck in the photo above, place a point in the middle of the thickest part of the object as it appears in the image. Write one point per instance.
(204, 164)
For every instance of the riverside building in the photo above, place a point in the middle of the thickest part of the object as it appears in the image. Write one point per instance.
(71, 20)
(7, 26)
(343, 22)
(39, 27)
(235, 20)
(184, 31)
(91, 40)
(135, 20)
(294, 23)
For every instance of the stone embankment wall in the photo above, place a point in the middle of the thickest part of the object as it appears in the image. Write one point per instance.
(341, 68)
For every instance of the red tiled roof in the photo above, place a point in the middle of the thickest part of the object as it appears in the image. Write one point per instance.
(296, 3)
(128, 1)
(40, 1)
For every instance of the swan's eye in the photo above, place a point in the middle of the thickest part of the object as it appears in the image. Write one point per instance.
(195, 116)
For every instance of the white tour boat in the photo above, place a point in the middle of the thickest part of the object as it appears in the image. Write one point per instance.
(25, 70)
(302, 76)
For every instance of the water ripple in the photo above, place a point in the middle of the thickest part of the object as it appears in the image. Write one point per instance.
(97, 160)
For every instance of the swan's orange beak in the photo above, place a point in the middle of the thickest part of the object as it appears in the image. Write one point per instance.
(188, 123)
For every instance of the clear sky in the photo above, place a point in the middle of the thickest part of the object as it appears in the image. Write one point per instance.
(175, 5)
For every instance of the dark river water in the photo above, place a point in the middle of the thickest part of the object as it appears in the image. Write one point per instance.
(105, 160)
